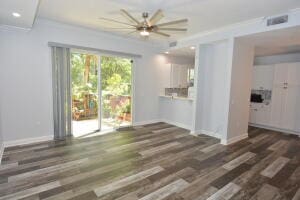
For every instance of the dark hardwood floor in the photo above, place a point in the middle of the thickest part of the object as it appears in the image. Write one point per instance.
(153, 162)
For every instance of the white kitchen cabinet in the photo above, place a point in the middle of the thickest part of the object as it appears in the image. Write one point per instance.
(260, 113)
(280, 74)
(291, 108)
(179, 76)
(277, 106)
(285, 111)
(293, 78)
(252, 115)
(263, 77)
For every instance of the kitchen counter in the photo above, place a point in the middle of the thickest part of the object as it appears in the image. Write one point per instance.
(262, 103)
(179, 98)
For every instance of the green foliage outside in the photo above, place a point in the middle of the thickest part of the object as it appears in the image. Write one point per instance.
(79, 86)
(115, 80)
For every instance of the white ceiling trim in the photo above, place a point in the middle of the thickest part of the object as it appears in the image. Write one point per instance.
(14, 28)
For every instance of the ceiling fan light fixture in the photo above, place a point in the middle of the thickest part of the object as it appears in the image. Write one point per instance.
(149, 26)
(144, 33)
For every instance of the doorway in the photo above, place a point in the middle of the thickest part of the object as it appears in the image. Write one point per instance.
(116, 92)
(266, 81)
(101, 93)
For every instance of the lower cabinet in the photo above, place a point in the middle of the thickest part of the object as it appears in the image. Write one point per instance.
(260, 113)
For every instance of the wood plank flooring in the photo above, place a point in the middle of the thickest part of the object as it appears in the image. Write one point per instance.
(154, 162)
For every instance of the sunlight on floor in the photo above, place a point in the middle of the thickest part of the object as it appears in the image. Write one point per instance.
(88, 128)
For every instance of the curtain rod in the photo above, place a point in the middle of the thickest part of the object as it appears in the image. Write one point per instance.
(117, 53)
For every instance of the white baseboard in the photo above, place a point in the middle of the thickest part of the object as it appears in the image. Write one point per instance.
(209, 133)
(275, 129)
(1, 151)
(234, 139)
(181, 125)
(11, 143)
(141, 123)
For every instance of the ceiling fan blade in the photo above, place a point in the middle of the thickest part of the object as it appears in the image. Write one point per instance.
(173, 22)
(173, 29)
(158, 15)
(160, 33)
(107, 28)
(129, 16)
(112, 20)
(131, 32)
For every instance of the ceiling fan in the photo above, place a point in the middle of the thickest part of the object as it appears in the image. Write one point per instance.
(147, 26)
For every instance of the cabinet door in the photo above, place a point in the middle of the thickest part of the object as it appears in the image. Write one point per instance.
(277, 106)
(263, 115)
(263, 77)
(175, 75)
(291, 109)
(280, 75)
(293, 76)
(252, 116)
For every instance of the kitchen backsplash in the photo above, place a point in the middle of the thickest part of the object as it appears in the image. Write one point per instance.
(266, 94)
(181, 92)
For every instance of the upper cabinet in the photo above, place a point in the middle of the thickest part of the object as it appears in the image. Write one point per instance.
(293, 77)
(180, 76)
(287, 74)
(263, 77)
(280, 74)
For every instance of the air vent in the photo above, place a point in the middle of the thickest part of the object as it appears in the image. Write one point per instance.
(172, 44)
(278, 20)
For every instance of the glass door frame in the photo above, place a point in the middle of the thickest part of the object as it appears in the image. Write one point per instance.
(133, 61)
(81, 51)
(99, 88)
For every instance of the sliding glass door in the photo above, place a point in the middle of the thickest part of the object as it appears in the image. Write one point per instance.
(116, 89)
(85, 93)
(101, 93)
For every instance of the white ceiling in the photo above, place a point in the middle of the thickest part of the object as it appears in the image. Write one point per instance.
(27, 9)
(203, 15)
(275, 42)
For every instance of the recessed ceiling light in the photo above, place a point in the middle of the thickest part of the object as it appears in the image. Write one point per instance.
(192, 47)
(166, 52)
(15, 14)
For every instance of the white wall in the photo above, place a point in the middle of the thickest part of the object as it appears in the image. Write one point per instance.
(1, 134)
(206, 121)
(180, 60)
(241, 81)
(176, 111)
(273, 59)
(25, 82)
(212, 78)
